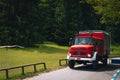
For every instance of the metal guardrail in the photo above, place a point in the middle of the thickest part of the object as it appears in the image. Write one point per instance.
(12, 46)
(114, 60)
(61, 60)
(22, 68)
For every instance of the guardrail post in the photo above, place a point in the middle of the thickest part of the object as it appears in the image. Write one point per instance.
(60, 62)
(44, 66)
(7, 74)
(23, 70)
(66, 61)
(35, 68)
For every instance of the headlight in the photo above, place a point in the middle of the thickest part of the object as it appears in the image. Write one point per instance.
(89, 55)
(68, 55)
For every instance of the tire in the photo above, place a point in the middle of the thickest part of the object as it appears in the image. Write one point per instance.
(85, 63)
(95, 63)
(105, 61)
(71, 64)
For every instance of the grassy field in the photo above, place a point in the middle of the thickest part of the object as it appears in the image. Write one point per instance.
(50, 53)
(115, 51)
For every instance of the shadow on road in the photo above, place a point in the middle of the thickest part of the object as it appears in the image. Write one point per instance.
(100, 68)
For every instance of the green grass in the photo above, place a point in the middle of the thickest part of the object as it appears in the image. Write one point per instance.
(115, 51)
(50, 53)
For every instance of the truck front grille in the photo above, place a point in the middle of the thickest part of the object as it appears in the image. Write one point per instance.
(79, 53)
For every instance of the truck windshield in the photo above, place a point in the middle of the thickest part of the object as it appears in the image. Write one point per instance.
(83, 41)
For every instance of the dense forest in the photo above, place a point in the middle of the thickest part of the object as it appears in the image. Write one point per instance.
(27, 22)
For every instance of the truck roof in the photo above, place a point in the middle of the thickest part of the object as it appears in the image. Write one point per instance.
(97, 31)
(99, 34)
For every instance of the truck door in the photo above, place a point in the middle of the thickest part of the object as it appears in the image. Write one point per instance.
(100, 47)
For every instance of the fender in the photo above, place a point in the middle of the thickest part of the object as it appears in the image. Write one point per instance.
(95, 55)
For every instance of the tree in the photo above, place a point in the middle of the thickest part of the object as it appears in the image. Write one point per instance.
(20, 22)
(79, 15)
(110, 16)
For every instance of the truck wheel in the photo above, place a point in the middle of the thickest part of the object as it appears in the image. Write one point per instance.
(95, 63)
(105, 61)
(71, 64)
(85, 63)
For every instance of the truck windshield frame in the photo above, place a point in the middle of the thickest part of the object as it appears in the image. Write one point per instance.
(84, 40)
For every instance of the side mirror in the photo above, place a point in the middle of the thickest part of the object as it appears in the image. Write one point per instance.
(71, 41)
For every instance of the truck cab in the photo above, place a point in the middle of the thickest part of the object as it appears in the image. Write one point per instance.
(89, 47)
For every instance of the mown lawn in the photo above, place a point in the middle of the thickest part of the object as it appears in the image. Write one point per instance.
(115, 51)
(50, 53)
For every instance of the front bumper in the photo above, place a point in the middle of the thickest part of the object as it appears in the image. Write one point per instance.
(82, 59)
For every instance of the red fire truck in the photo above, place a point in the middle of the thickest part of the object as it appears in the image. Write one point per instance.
(89, 46)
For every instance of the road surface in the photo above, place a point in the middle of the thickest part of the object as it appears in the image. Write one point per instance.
(79, 73)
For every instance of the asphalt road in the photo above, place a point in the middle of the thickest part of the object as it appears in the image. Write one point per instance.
(79, 73)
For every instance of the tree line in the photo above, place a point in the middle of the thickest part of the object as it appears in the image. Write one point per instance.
(27, 22)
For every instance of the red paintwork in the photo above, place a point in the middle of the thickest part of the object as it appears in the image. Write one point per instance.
(84, 50)
(98, 35)
(86, 34)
